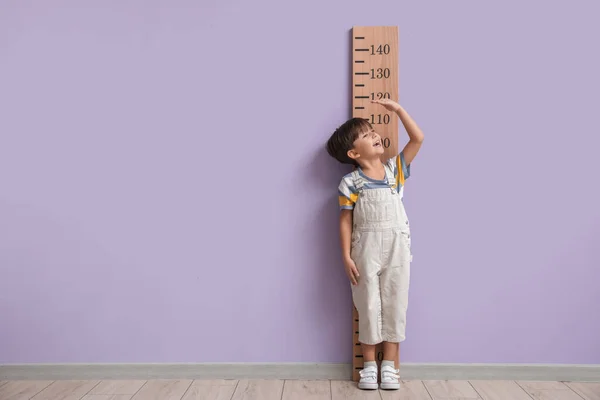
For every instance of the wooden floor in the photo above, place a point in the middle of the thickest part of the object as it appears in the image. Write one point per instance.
(292, 390)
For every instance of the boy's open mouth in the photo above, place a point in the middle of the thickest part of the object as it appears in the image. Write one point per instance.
(377, 143)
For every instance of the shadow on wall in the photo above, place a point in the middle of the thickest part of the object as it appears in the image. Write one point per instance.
(331, 294)
(325, 303)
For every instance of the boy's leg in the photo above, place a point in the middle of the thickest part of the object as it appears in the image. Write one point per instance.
(368, 375)
(391, 353)
(390, 379)
(368, 351)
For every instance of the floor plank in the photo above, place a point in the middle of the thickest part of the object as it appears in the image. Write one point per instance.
(163, 389)
(66, 390)
(409, 390)
(219, 382)
(587, 390)
(348, 390)
(306, 390)
(258, 389)
(13, 390)
(293, 390)
(548, 390)
(500, 390)
(450, 390)
(211, 390)
(117, 387)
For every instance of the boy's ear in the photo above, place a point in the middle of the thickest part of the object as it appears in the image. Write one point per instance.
(353, 154)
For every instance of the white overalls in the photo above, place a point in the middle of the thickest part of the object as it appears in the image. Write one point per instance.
(381, 252)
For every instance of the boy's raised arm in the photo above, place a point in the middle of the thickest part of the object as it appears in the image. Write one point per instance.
(415, 134)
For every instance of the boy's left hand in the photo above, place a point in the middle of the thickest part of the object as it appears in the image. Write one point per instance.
(391, 105)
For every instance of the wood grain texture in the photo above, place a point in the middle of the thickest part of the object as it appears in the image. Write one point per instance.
(499, 390)
(258, 389)
(296, 389)
(13, 390)
(218, 382)
(587, 390)
(306, 390)
(118, 387)
(409, 390)
(211, 390)
(450, 390)
(66, 390)
(163, 389)
(347, 390)
(548, 390)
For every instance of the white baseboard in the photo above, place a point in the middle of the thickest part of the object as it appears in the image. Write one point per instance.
(305, 371)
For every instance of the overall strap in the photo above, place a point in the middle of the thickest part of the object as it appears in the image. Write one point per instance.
(359, 181)
(389, 173)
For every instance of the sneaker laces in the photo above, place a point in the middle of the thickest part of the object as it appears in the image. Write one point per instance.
(390, 373)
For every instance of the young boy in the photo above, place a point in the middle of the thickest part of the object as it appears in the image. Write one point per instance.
(375, 238)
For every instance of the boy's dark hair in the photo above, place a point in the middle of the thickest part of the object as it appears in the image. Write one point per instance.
(342, 140)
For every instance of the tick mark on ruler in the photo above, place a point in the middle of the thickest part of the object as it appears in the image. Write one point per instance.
(362, 49)
(361, 73)
(359, 108)
(359, 37)
(360, 85)
(361, 97)
(359, 61)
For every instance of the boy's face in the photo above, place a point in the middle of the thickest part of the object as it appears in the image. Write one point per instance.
(367, 146)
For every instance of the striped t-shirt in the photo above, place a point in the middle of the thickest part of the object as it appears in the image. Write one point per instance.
(348, 194)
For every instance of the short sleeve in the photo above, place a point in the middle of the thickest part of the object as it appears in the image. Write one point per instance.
(405, 169)
(347, 194)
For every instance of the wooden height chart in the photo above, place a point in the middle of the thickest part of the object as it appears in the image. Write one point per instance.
(374, 77)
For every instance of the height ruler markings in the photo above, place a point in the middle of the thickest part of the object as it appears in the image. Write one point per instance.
(374, 77)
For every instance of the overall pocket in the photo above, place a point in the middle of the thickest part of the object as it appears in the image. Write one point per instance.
(402, 247)
(357, 251)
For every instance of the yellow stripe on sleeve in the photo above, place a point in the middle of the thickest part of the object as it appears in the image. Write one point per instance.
(400, 176)
(344, 201)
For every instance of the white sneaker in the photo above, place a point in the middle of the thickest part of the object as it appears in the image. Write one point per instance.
(368, 378)
(390, 378)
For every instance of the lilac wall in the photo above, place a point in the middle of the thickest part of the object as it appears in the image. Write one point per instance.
(130, 230)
